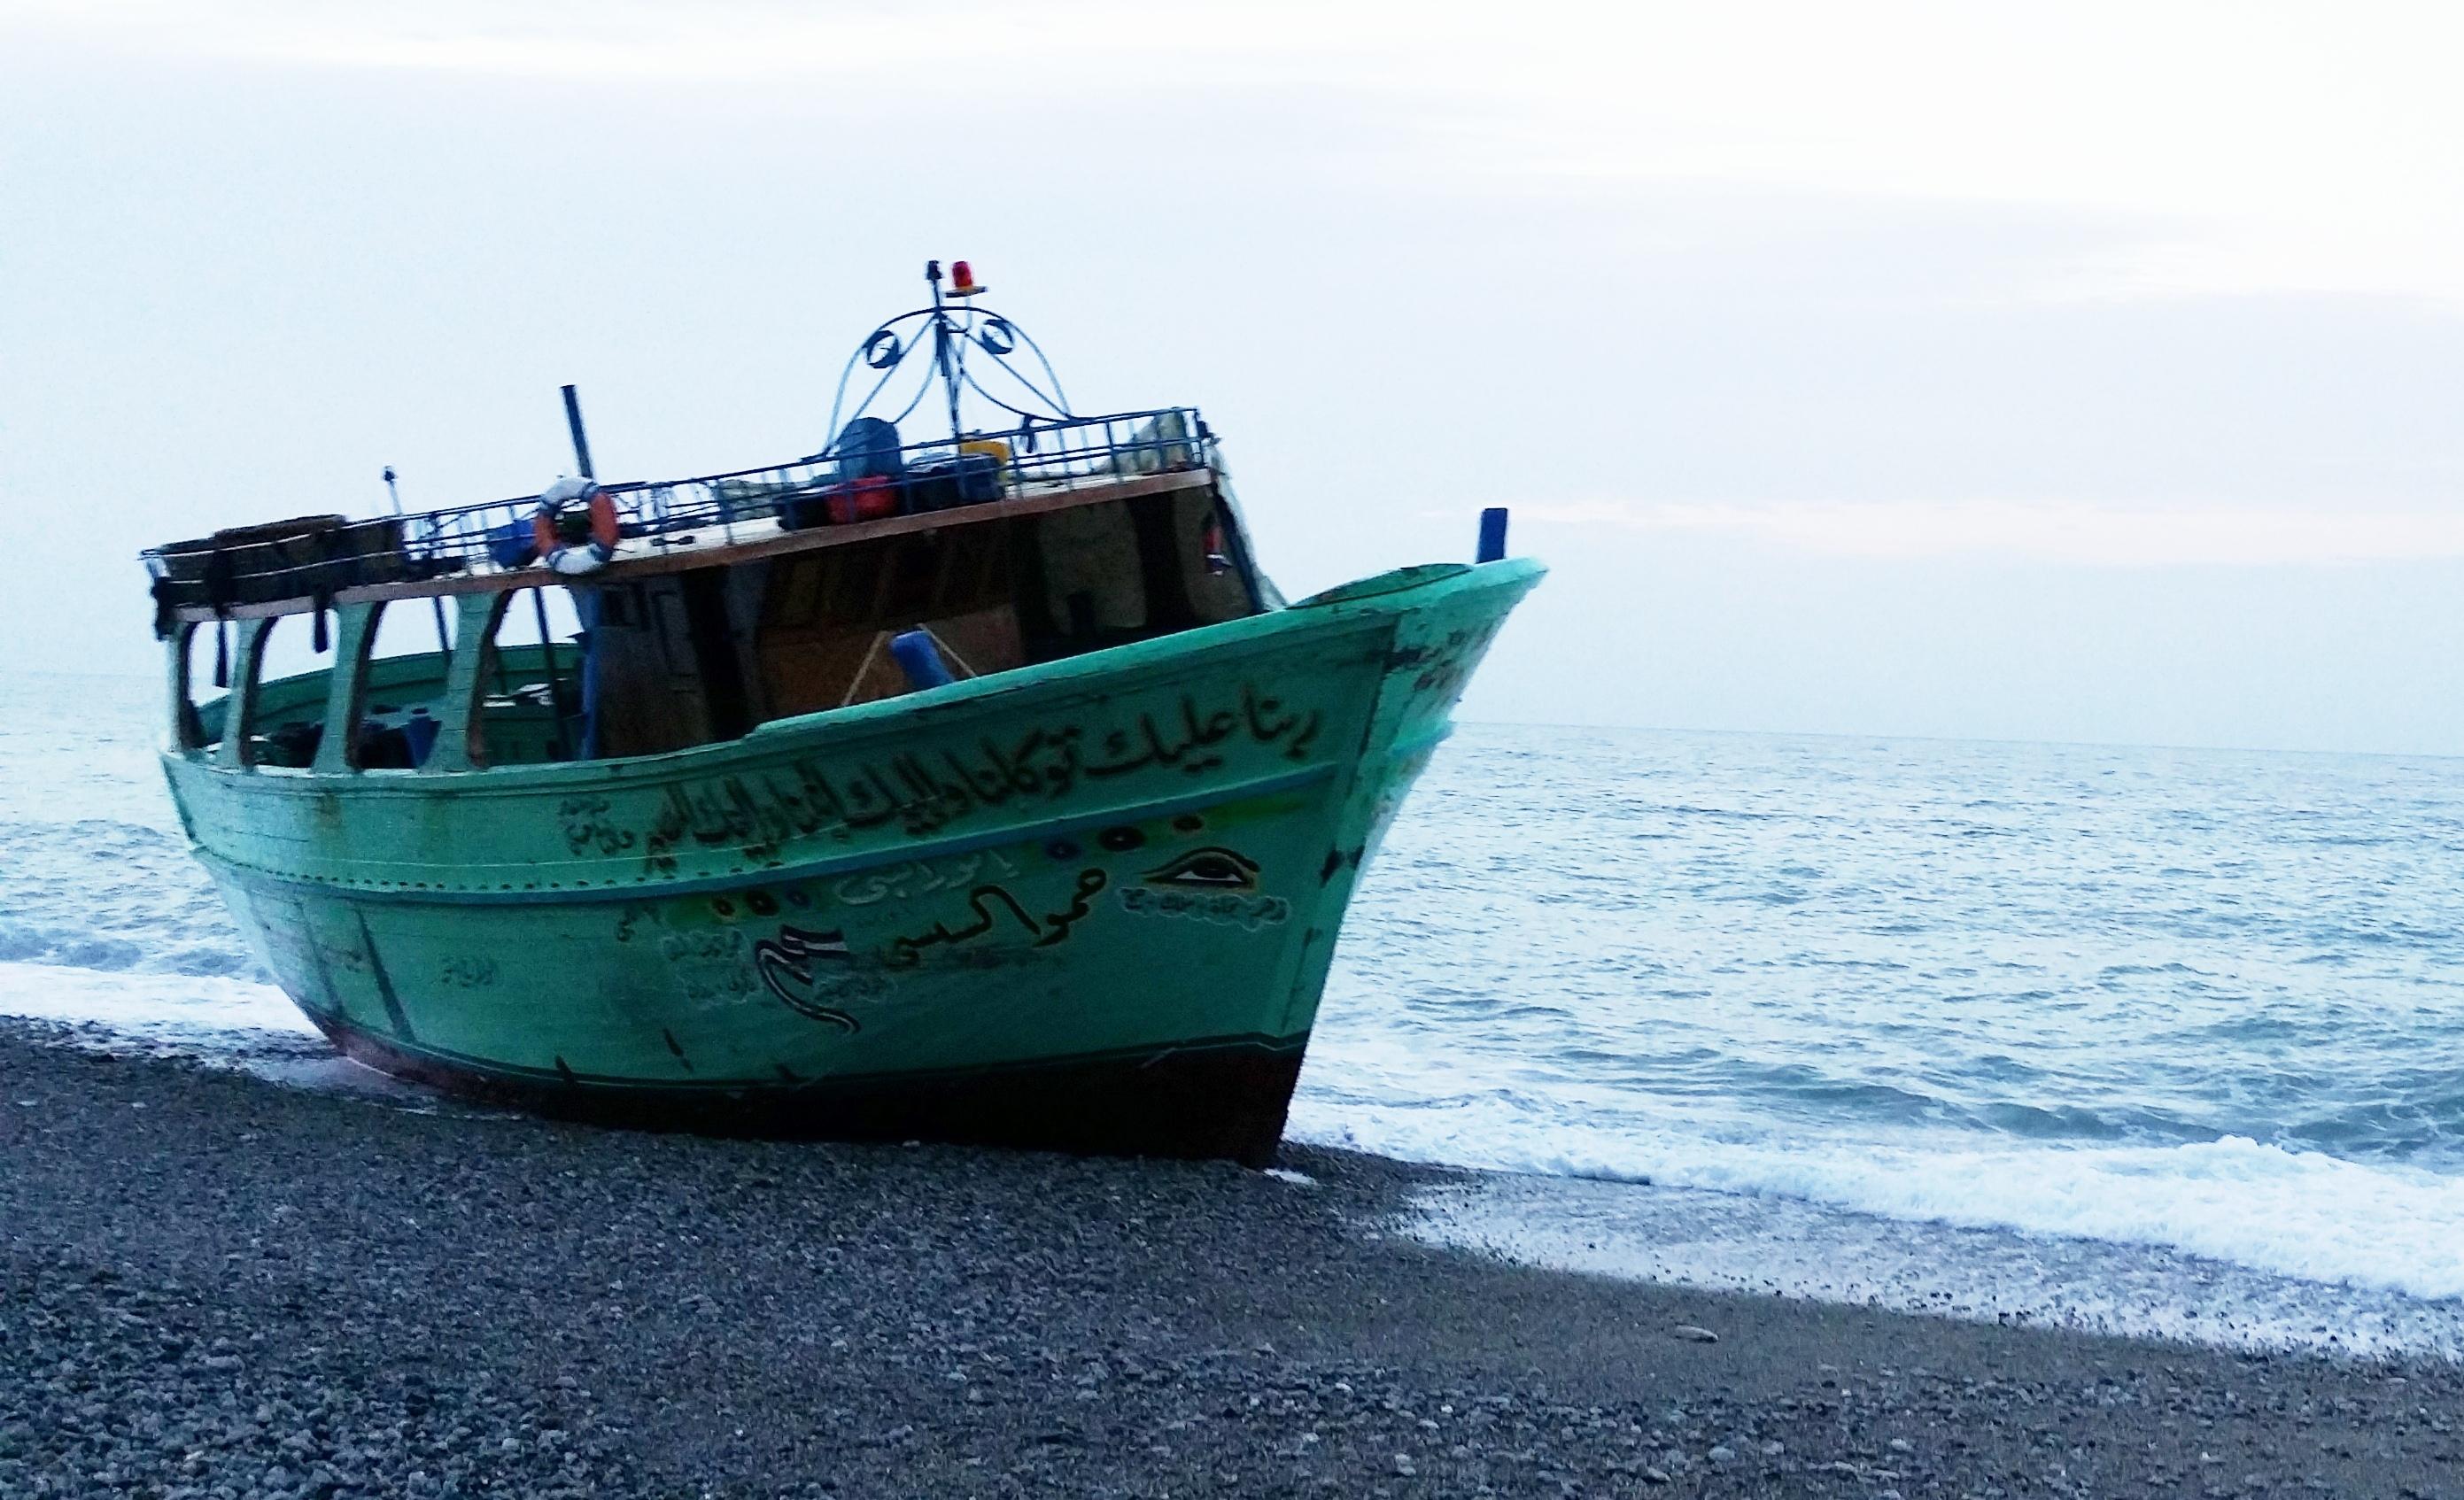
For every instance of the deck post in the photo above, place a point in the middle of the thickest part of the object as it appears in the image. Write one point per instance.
(347, 690)
(187, 724)
(240, 707)
(555, 684)
(475, 636)
(186, 731)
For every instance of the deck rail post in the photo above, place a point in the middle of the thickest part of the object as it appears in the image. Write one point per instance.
(239, 710)
(188, 729)
(346, 691)
(458, 746)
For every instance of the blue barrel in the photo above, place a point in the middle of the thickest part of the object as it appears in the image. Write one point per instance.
(868, 448)
(512, 545)
(920, 659)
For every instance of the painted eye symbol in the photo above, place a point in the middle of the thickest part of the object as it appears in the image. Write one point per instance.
(1213, 869)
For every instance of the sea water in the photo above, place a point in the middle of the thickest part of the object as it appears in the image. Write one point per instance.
(2160, 1041)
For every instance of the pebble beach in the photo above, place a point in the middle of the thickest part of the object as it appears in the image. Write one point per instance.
(211, 1286)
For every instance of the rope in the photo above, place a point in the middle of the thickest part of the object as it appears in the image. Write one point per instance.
(863, 666)
(943, 646)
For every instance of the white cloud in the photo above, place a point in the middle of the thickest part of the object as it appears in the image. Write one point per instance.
(2092, 535)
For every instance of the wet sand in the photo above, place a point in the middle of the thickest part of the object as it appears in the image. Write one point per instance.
(213, 1285)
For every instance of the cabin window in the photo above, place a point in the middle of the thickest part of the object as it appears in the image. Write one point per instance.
(199, 701)
(825, 618)
(1210, 553)
(1107, 574)
(286, 712)
(401, 696)
(532, 699)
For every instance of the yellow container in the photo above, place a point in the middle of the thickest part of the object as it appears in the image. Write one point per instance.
(993, 448)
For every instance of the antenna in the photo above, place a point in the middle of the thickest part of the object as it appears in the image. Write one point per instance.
(444, 642)
(946, 353)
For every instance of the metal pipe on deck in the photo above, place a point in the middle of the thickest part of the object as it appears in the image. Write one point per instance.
(580, 443)
(443, 641)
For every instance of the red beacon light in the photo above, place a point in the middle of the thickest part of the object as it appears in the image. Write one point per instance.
(962, 279)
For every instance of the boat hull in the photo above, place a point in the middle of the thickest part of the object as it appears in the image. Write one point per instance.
(1088, 905)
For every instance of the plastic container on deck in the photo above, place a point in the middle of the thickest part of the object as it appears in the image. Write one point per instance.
(867, 499)
(968, 479)
(868, 448)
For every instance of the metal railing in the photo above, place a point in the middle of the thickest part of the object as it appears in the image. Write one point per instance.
(318, 557)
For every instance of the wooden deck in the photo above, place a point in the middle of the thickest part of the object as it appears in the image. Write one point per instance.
(716, 546)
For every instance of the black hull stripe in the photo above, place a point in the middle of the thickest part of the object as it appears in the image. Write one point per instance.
(1224, 1099)
(335, 1026)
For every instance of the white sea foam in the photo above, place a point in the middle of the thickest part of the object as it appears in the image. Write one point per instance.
(225, 1023)
(1756, 1244)
(2292, 1213)
(143, 1007)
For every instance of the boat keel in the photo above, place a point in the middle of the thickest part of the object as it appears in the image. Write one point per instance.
(1224, 1100)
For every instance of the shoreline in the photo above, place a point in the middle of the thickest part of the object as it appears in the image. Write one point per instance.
(208, 1277)
(1816, 1251)
(1614, 1226)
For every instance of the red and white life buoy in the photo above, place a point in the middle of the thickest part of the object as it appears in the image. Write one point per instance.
(573, 560)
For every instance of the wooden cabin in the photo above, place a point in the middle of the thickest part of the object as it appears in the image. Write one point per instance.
(729, 603)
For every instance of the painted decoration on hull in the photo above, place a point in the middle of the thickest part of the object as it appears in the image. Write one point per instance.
(925, 793)
(1209, 869)
(1224, 908)
(991, 906)
(919, 876)
(793, 966)
(1211, 884)
(840, 944)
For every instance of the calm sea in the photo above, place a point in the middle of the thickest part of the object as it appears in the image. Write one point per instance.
(2164, 1040)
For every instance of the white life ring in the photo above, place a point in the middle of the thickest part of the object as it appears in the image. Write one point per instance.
(583, 558)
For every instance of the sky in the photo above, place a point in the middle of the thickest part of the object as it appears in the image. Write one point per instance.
(2086, 372)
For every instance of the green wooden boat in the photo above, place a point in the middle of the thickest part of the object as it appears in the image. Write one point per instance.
(729, 854)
